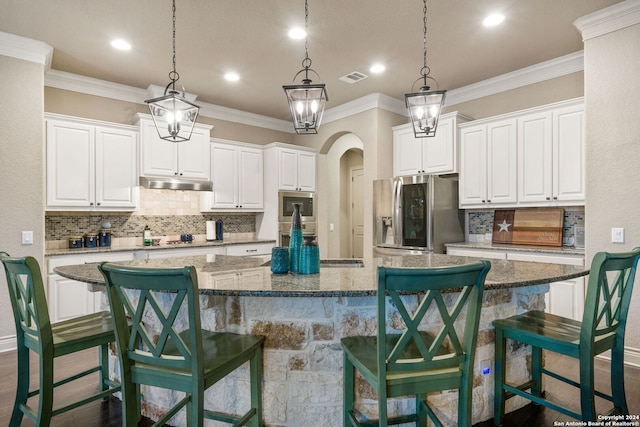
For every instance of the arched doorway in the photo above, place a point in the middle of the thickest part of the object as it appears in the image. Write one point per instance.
(341, 212)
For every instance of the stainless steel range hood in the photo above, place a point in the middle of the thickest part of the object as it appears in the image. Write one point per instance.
(175, 184)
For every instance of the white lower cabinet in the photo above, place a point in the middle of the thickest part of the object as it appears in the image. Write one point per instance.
(179, 252)
(250, 249)
(69, 298)
(565, 298)
(245, 279)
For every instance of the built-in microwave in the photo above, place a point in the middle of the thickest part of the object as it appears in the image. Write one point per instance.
(286, 200)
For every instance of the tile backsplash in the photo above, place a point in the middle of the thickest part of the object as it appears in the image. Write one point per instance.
(480, 222)
(166, 212)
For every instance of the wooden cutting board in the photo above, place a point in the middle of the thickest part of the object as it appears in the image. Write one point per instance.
(534, 226)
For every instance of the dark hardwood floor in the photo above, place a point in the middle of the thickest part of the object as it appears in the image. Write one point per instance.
(107, 414)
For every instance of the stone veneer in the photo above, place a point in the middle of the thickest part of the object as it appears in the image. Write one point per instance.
(303, 357)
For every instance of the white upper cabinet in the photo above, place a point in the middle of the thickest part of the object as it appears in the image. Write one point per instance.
(187, 159)
(237, 172)
(488, 164)
(551, 156)
(296, 170)
(91, 165)
(432, 155)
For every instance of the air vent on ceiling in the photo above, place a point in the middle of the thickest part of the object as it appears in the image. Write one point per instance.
(353, 77)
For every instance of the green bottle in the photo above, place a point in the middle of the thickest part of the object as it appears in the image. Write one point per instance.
(146, 236)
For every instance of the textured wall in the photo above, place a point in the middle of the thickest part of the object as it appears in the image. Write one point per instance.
(613, 150)
(21, 170)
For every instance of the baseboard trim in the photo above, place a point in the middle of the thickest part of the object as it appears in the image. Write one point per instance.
(631, 356)
(7, 343)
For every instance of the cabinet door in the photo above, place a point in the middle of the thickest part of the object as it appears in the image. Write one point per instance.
(407, 152)
(439, 151)
(69, 298)
(287, 170)
(70, 164)
(535, 158)
(194, 160)
(473, 166)
(159, 157)
(306, 171)
(225, 176)
(501, 162)
(250, 178)
(116, 168)
(568, 168)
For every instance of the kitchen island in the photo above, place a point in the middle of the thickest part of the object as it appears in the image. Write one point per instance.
(303, 318)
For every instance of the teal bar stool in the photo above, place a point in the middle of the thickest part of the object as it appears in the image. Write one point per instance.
(602, 328)
(415, 362)
(178, 356)
(35, 333)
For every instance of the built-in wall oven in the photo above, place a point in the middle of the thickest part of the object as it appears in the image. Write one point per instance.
(307, 202)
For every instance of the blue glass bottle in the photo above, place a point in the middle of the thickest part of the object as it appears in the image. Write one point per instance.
(295, 239)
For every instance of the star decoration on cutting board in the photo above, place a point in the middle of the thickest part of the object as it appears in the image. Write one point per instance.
(504, 226)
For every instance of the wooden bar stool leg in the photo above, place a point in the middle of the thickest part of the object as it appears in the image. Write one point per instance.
(422, 415)
(536, 371)
(587, 398)
(500, 373)
(45, 404)
(255, 377)
(347, 390)
(22, 389)
(103, 356)
(617, 379)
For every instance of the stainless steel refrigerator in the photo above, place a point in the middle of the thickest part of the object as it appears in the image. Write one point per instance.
(416, 213)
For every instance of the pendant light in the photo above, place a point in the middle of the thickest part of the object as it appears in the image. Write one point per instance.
(172, 114)
(425, 106)
(306, 100)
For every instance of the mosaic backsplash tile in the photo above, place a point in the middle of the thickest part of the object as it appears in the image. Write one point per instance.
(481, 221)
(59, 226)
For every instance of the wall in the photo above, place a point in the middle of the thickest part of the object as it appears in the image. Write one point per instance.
(21, 171)
(613, 150)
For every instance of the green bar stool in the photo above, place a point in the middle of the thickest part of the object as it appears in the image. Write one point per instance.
(415, 362)
(35, 333)
(178, 356)
(602, 328)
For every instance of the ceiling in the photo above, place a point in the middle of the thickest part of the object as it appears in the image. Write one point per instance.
(250, 38)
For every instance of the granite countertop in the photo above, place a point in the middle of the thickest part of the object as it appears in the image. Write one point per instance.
(193, 244)
(251, 276)
(561, 250)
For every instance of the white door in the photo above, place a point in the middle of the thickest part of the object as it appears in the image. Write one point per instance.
(407, 152)
(225, 176)
(535, 158)
(287, 170)
(194, 156)
(568, 136)
(438, 151)
(306, 171)
(502, 162)
(250, 178)
(159, 157)
(473, 166)
(116, 168)
(357, 213)
(70, 164)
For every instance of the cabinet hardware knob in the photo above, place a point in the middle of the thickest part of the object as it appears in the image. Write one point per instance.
(548, 198)
(90, 203)
(555, 198)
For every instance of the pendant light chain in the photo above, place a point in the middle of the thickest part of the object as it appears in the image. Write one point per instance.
(425, 69)
(174, 76)
(306, 63)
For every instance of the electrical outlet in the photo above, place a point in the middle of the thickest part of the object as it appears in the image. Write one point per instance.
(617, 235)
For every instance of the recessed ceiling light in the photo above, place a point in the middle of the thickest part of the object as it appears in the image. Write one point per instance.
(120, 44)
(231, 77)
(493, 20)
(297, 33)
(377, 68)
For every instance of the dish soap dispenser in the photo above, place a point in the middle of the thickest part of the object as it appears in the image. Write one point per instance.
(146, 236)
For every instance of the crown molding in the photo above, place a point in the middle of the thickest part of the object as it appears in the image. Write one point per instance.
(26, 49)
(608, 20)
(367, 102)
(91, 86)
(568, 64)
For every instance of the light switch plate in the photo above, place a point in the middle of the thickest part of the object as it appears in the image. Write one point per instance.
(27, 237)
(617, 235)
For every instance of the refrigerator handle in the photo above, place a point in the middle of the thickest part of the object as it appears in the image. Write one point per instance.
(397, 212)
